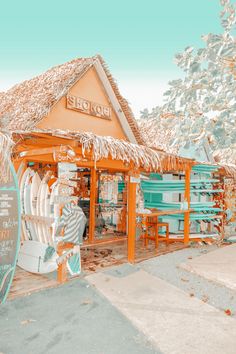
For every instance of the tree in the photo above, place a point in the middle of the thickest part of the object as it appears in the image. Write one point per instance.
(202, 105)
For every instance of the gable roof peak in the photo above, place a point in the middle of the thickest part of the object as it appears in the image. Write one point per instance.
(28, 102)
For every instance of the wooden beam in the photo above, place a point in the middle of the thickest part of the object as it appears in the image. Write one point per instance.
(187, 198)
(45, 138)
(103, 242)
(41, 159)
(112, 165)
(41, 151)
(131, 218)
(38, 219)
(61, 270)
(92, 216)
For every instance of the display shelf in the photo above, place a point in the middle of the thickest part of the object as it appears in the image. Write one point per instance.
(167, 192)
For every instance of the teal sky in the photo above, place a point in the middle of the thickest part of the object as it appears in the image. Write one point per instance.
(138, 39)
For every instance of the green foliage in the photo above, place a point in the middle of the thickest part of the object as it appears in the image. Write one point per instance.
(203, 102)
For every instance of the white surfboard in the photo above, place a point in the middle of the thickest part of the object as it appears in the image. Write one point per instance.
(43, 195)
(54, 210)
(22, 182)
(43, 199)
(27, 203)
(36, 180)
(35, 183)
(20, 173)
(45, 211)
(31, 258)
(26, 234)
(54, 205)
(39, 226)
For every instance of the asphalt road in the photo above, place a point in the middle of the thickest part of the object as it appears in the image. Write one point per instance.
(73, 318)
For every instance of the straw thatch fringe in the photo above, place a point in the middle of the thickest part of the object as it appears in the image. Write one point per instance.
(229, 171)
(6, 144)
(103, 147)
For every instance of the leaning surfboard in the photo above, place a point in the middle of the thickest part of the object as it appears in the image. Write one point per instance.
(32, 258)
(10, 217)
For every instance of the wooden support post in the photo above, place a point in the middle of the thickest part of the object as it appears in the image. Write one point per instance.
(61, 271)
(131, 218)
(92, 216)
(187, 198)
(97, 187)
(123, 221)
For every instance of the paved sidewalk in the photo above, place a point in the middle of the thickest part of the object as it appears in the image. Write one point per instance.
(174, 321)
(218, 266)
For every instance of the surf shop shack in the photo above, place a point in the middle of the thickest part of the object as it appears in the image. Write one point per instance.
(90, 193)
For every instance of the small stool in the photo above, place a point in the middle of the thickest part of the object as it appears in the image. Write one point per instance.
(166, 225)
(154, 225)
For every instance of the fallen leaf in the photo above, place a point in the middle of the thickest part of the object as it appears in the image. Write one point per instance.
(228, 312)
(87, 302)
(185, 280)
(191, 295)
(27, 321)
(92, 269)
(205, 298)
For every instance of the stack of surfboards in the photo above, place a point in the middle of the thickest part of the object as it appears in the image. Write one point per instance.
(40, 215)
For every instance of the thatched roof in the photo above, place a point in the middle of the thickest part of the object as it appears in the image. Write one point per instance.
(228, 170)
(160, 137)
(225, 156)
(156, 134)
(103, 147)
(27, 103)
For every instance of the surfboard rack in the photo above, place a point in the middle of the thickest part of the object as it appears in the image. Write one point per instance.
(38, 219)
